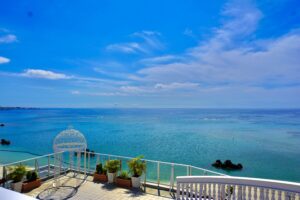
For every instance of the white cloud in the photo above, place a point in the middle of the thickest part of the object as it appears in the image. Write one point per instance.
(8, 38)
(4, 60)
(105, 94)
(75, 92)
(224, 60)
(189, 32)
(151, 38)
(132, 89)
(132, 47)
(44, 74)
(150, 42)
(175, 86)
(160, 59)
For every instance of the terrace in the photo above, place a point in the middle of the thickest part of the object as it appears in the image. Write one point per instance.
(71, 173)
(73, 179)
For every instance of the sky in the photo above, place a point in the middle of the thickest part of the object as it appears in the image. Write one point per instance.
(150, 54)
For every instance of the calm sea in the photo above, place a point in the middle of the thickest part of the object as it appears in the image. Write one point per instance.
(266, 142)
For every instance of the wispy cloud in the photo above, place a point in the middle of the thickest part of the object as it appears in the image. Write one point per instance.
(75, 92)
(151, 38)
(54, 76)
(44, 74)
(4, 60)
(131, 47)
(9, 38)
(176, 86)
(224, 59)
(160, 59)
(189, 32)
(150, 42)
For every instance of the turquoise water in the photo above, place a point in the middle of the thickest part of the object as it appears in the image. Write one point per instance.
(266, 142)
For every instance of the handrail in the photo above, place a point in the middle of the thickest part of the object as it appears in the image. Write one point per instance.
(161, 162)
(30, 159)
(243, 181)
(118, 156)
(165, 179)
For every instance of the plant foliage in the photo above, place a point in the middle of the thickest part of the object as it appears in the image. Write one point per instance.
(31, 176)
(17, 174)
(100, 169)
(136, 166)
(112, 166)
(124, 175)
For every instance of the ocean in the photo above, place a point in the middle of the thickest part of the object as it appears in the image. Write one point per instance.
(265, 141)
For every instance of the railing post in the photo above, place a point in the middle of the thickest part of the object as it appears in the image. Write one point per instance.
(84, 162)
(89, 161)
(187, 170)
(145, 178)
(60, 163)
(35, 166)
(98, 158)
(4, 173)
(172, 178)
(78, 162)
(70, 160)
(48, 166)
(158, 174)
(120, 165)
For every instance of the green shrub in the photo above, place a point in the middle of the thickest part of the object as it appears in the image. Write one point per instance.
(31, 176)
(104, 170)
(100, 169)
(17, 173)
(112, 166)
(28, 175)
(124, 175)
(136, 166)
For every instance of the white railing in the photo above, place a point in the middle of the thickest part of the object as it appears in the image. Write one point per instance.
(158, 174)
(43, 165)
(241, 188)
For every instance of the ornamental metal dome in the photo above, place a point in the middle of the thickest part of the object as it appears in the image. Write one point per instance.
(69, 140)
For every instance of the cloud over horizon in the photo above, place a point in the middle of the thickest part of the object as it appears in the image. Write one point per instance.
(149, 42)
(222, 62)
(4, 60)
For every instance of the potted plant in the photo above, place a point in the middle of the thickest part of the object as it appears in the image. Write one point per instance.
(17, 174)
(136, 167)
(100, 174)
(112, 167)
(32, 181)
(123, 180)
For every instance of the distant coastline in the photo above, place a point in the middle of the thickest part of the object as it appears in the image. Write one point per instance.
(17, 108)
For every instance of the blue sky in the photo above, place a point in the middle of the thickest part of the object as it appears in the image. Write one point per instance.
(208, 54)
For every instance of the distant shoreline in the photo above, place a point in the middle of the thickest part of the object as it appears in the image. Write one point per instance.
(18, 108)
(139, 108)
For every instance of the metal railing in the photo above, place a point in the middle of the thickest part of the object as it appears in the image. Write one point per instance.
(158, 173)
(241, 188)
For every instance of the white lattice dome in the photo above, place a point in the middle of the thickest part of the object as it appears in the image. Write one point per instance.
(69, 140)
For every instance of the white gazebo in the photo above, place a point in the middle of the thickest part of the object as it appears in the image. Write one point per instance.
(73, 142)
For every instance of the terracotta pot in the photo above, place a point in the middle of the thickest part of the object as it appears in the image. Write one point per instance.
(100, 177)
(111, 177)
(30, 185)
(136, 181)
(17, 186)
(126, 183)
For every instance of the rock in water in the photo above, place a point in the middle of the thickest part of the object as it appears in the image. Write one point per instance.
(2, 125)
(5, 142)
(227, 165)
(217, 164)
